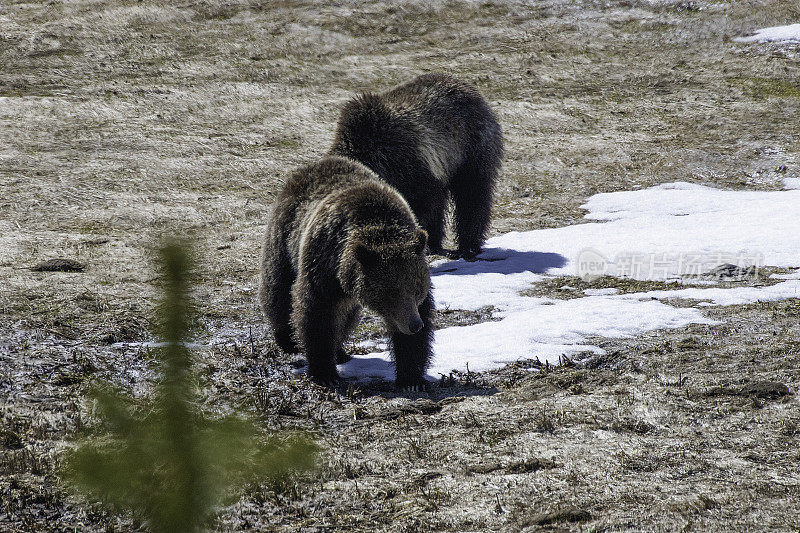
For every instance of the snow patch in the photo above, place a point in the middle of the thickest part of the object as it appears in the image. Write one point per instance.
(548, 330)
(791, 183)
(774, 33)
(668, 231)
(732, 296)
(600, 292)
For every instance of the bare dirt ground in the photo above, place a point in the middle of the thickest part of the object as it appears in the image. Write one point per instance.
(121, 122)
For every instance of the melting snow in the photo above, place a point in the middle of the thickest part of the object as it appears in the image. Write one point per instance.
(657, 233)
(791, 183)
(775, 33)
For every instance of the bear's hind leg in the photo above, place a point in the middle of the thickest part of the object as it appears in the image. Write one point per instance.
(412, 353)
(276, 299)
(472, 188)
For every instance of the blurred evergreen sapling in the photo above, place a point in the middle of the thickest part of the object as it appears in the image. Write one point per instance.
(164, 460)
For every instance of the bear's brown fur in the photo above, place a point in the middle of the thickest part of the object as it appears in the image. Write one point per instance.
(434, 139)
(338, 239)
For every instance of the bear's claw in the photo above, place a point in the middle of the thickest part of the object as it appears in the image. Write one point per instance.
(329, 382)
(467, 255)
(287, 344)
(416, 387)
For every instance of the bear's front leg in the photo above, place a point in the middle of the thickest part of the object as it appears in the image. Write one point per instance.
(314, 321)
(413, 353)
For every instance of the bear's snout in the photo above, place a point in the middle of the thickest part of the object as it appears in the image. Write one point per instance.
(408, 321)
(416, 325)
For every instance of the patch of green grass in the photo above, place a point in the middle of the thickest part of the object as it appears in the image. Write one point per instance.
(554, 287)
(21, 91)
(368, 329)
(288, 143)
(638, 26)
(769, 87)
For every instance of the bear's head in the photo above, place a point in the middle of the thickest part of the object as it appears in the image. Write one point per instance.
(390, 276)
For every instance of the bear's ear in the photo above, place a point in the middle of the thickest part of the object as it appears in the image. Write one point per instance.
(420, 240)
(365, 255)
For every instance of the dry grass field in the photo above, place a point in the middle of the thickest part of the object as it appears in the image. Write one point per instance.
(122, 122)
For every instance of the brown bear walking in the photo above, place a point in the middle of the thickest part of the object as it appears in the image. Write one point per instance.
(433, 139)
(338, 239)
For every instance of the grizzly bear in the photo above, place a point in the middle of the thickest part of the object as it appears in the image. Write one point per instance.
(339, 239)
(434, 139)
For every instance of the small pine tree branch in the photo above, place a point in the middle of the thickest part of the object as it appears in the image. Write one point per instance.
(164, 461)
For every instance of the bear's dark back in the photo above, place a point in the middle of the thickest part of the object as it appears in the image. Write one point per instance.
(374, 134)
(348, 187)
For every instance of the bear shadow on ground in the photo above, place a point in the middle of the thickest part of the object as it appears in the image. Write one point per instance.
(502, 261)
